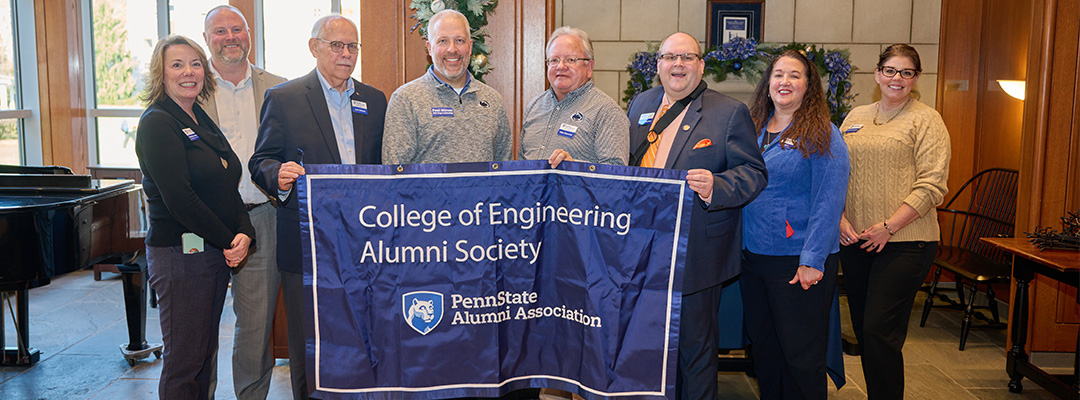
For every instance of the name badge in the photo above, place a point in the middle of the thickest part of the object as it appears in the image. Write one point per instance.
(853, 128)
(442, 112)
(191, 135)
(359, 107)
(567, 130)
(645, 118)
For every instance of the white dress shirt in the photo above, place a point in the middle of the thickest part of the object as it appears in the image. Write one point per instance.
(239, 121)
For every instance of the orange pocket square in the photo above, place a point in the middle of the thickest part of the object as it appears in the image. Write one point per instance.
(703, 143)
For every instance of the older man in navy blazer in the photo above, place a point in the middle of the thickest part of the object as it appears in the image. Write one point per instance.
(713, 139)
(325, 117)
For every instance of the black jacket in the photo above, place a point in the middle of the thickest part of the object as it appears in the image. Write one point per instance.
(190, 178)
(295, 116)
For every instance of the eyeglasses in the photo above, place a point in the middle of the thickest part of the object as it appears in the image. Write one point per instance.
(890, 72)
(685, 57)
(337, 46)
(569, 61)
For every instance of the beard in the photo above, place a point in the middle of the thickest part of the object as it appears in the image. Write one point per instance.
(231, 57)
(448, 75)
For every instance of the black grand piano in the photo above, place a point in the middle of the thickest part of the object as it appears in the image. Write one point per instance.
(53, 222)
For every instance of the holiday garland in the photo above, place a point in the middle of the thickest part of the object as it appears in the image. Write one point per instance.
(475, 11)
(746, 58)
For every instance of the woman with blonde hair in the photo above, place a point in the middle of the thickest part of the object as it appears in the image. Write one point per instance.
(198, 226)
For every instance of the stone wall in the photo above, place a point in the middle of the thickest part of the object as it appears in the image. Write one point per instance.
(619, 28)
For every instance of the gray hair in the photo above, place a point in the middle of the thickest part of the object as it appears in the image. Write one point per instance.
(575, 32)
(321, 23)
(448, 13)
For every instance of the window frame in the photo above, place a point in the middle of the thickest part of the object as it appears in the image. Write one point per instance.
(93, 112)
(28, 102)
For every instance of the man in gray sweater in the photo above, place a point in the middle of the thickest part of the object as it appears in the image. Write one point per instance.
(446, 116)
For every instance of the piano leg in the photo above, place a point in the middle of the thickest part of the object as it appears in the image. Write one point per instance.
(22, 354)
(135, 288)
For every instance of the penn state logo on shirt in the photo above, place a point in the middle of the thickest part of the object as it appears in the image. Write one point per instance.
(422, 310)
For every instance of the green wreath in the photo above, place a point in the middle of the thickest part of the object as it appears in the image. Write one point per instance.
(746, 58)
(476, 11)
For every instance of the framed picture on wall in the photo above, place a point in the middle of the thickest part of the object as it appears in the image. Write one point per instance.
(728, 19)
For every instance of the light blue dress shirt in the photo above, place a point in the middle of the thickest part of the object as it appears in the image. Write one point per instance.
(340, 105)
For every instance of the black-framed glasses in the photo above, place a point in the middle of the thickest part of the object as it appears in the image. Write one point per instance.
(685, 57)
(569, 61)
(905, 73)
(337, 46)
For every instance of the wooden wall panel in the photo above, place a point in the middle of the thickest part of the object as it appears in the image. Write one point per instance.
(999, 120)
(961, 33)
(413, 54)
(247, 8)
(518, 32)
(988, 127)
(61, 85)
(537, 23)
(378, 46)
(505, 58)
(1049, 158)
(984, 123)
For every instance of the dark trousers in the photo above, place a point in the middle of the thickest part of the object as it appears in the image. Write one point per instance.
(881, 289)
(788, 326)
(292, 287)
(191, 294)
(699, 336)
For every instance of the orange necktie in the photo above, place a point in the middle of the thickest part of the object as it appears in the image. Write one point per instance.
(650, 155)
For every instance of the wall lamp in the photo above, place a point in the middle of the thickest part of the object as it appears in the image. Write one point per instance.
(1013, 88)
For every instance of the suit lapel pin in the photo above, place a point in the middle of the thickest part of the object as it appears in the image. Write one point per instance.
(686, 127)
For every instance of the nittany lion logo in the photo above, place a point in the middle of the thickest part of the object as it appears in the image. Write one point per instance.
(423, 310)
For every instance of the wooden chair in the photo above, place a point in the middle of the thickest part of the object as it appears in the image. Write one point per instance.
(991, 211)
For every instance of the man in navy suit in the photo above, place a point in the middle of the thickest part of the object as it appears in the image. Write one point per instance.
(713, 138)
(325, 117)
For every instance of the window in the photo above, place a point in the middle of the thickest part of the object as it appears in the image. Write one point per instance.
(20, 134)
(122, 35)
(292, 21)
(187, 18)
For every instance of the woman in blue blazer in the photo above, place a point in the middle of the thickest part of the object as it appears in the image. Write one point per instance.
(790, 243)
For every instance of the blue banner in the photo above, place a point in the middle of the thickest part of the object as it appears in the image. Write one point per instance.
(472, 280)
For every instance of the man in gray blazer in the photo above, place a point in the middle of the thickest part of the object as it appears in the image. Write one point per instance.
(235, 108)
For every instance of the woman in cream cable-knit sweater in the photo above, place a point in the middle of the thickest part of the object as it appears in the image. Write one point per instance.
(899, 150)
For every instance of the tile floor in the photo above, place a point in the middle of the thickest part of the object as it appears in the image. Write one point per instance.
(78, 324)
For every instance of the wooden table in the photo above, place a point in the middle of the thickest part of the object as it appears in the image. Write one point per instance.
(1060, 265)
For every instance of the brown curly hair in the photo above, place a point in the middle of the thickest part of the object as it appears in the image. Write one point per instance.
(811, 129)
